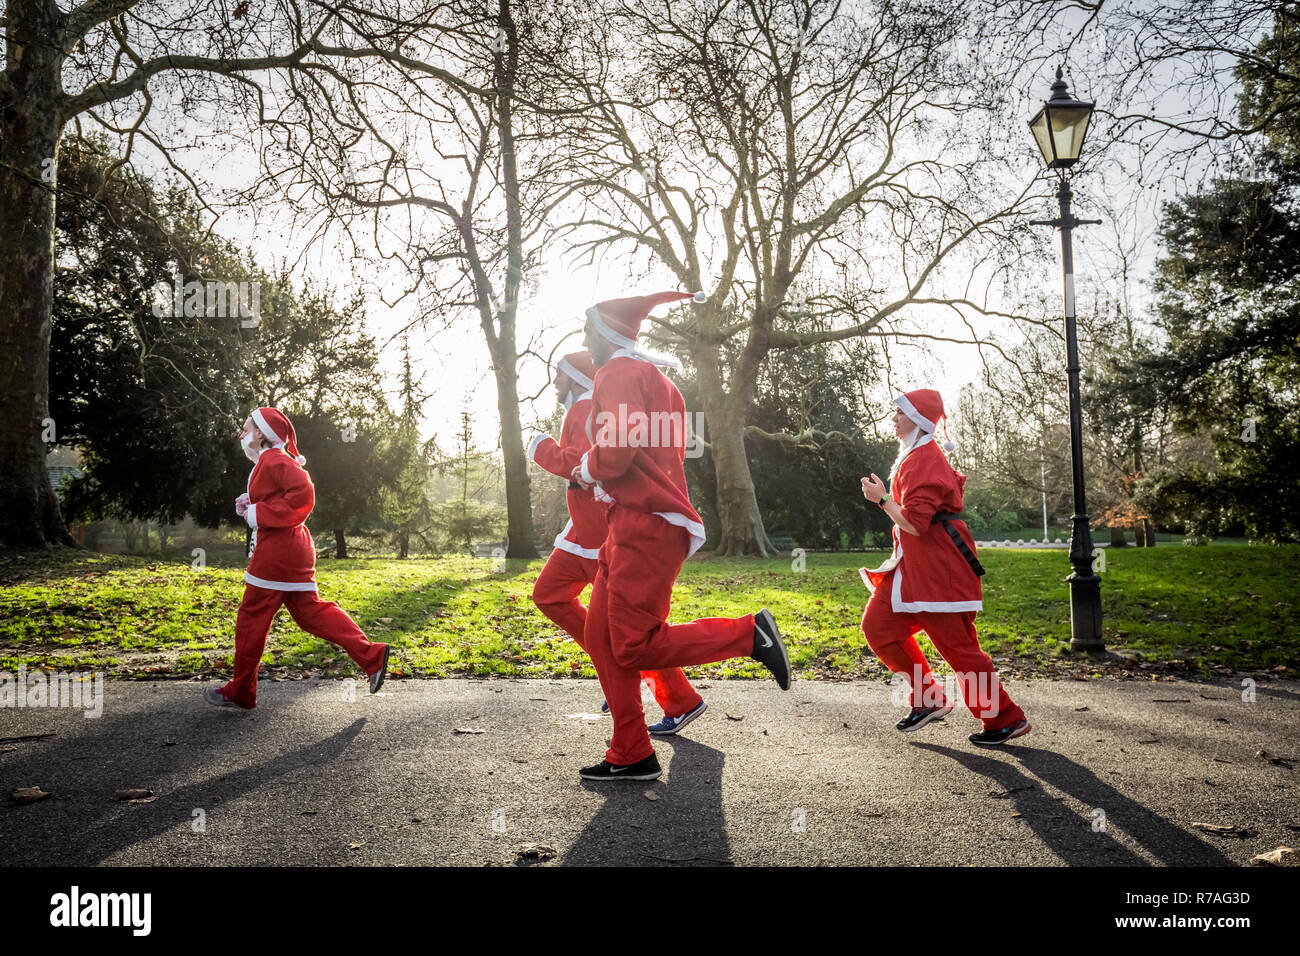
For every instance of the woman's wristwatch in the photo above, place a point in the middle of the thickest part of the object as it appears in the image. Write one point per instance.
(882, 501)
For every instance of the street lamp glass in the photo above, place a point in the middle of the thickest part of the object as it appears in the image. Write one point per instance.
(1060, 126)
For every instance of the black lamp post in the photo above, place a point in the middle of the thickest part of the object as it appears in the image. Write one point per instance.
(1059, 129)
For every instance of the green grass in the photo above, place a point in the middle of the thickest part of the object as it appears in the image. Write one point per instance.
(1196, 610)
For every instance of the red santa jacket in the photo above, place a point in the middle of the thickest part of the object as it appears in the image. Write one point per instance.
(587, 527)
(637, 459)
(280, 497)
(930, 574)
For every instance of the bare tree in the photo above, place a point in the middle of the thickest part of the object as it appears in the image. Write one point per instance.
(103, 63)
(1166, 74)
(434, 155)
(824, 171)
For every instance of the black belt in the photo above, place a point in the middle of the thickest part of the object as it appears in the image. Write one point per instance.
(947, 518)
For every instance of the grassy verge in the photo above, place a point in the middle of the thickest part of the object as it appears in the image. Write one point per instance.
(1195, 611)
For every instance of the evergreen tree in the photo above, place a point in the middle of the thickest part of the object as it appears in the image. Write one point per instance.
(1229, 311)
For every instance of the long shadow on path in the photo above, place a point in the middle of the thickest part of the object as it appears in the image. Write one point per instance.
(91, 827)
(1074, 840)
(685, 826)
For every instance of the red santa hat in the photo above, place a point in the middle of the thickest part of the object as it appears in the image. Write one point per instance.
(924, 406)
(619, 320)
(275, 425)
(580, 367)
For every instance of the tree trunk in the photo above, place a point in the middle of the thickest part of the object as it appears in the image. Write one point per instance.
(403, 544)
(29, 141)
(519, 506)
(725, 415)
(1117, 539)
(340, 544)
(740, 521)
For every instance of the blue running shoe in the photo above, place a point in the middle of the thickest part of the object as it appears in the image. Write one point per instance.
(670, 725)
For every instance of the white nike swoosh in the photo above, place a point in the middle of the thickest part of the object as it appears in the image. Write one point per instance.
(617, 769)
(767, 641)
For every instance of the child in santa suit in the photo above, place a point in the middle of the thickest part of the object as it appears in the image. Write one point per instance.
(636, 466)
(282, 570)
(931, 581)
(572, 565)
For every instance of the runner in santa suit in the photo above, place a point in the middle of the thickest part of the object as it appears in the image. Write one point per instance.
(282, 570)
(572, 565)
(931, 581)
(636, 465)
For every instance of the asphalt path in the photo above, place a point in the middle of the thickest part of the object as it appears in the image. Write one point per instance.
(485, 772)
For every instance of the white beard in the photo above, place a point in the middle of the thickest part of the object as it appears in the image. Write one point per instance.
(905, 445)
(251, 453)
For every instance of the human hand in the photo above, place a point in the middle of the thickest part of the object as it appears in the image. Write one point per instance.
(576, 476)
(241, 505)
(873, 489)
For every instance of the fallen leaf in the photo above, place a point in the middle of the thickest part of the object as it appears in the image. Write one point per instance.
(535, 851)
(469, 730)
(28, 795)
(735, 717)
(136, 795)
(651, 795)
(1002, 794)
(1274, 759)
(1221, 829)
(1282, 856)
(355, 846)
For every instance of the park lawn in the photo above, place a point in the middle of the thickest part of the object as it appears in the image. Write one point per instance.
(1199, 611)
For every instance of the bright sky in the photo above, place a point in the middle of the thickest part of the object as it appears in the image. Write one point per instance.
(455, 364)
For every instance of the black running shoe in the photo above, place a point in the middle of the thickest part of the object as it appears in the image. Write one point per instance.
(920, 716)
(647, 769)
(377, 678)
(770, 649)
(992, 738)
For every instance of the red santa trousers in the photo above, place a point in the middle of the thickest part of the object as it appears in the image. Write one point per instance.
(890, 635)
(319, 618)
(627, 629)
(566, 576)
